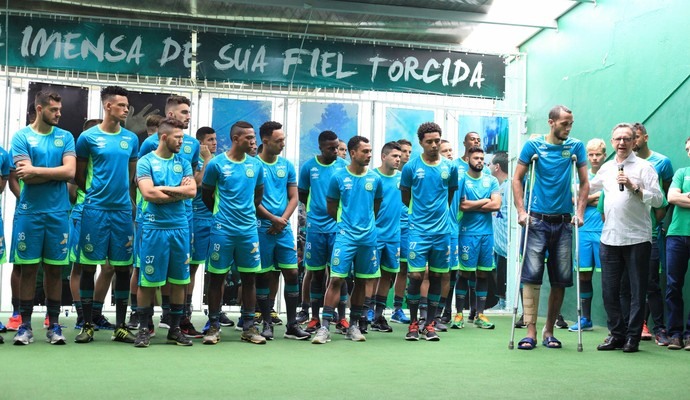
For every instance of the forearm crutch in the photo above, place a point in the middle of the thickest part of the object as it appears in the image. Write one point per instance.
(577, 252)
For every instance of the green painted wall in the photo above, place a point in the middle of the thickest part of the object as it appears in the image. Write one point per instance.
(616, 61)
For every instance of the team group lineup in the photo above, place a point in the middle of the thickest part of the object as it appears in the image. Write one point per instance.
(432, 227)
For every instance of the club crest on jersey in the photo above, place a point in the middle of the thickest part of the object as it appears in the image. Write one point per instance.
(177, 168)
(187, 149)
(88, 248)
(565, 154)
(369, 186)
(280, 173)
(412, 255)
(124, 145)
(249, 173)
(445, 175)
(59, 143)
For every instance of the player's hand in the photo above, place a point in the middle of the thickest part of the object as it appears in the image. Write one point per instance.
(25, 171)
(186, 181)
(577, 220)
(277, 225)
(623, 179)
(523, 217)
(137, 122)
(204, 152)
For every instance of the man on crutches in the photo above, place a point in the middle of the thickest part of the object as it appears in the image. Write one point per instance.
(549, 219)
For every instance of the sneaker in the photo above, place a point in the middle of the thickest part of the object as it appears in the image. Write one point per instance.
(458, 322)
(381, 325)
(152, 329)
(676, 343)
(133, 322)
(295, 332)
(661, 338)
(586, 324)
(257, 318)
(342, 326)
(85, 335)
(24, 335)
(302, 316)
(252, 335)
(176, 336)
(336, 317)
(212, 335)
(322, 336)
(429, 333)
(54, 335)
(686, 343)
(14, 322)
(165, 321)
(143, 338)
(363, 325)
(3, 329)
(101, 322)
(470, 318)
(240, 324)
(483, 322)
(80, 323)
(224, 320)
(520, 324)
(413, 332)
(370, 315)
(267, 331)
(188, 329)
(275, 319)
(646, 334)
(560, 323)
(446, 317)
(46, 322)
(354, 334)
(399, 317)
(439, 326)
(122, 334)
(313, 325)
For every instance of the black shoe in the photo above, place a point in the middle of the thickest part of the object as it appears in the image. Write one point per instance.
(611, 343)
(267, 331)
(631, 345)
(520, 324)
(446, 317)
(175, 336)
(189, 330)
(224, 320)
(363, 324)
(295, 332)
(560, 323)
(473, 314)
(302, 316)
(133, 321)
(381, 325)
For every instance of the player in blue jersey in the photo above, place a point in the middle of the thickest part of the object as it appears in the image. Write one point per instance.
(499, 169)
(655, 302)
(550, 219)
(427, 186)
(314, 177)
(387, 231)
(400, 286)
(44, 160)
(4, 175)
(106, 163)
(232, 188)
(480, 196)
(354, 198)
(165, 180)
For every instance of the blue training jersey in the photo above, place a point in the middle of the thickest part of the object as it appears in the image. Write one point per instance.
(234, 183)
(163, 172)
(356, 195)
(476, 223)
(42, 150)
(314, 178)
(552, 193)
(198, 207)
(662, 166)
(454, 212)
(388, 219)
(593, 222)
(429, 185)
(107, 171)
(278, 176)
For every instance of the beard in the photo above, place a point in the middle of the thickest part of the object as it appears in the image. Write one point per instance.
(477, 168)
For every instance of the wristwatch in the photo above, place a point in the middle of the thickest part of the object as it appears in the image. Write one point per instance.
(637, 189)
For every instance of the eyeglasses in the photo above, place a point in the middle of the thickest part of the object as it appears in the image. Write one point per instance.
(622, 139)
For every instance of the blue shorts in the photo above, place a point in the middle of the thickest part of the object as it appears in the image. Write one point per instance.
(240, 253)
(318, 249)
(168, 263)
(106, 235)
(477, 253)
(190, 227)
(74, 228)
(136, 249)
(277, 251)
(362, 258)
(389, 256)
(556, 238)
(404, 243)
(40, 238)
(589, 251)
(3, 254)
(202, 238)
(433, 250)
(453, 262)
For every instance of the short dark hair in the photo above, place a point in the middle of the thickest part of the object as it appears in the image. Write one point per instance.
(404, 142)
(43, 98)
(427, 127)
(109, 92)
(203, 131)
(475, 149)
(239, 126)
(638, 127)
(266, 129)
(390, 146)
(175, 100)
(90, 123)
(444, 141)
(354, 142)
(326, 136)
(153, 120)
(169, 124)
(555, 112)
(501, 159)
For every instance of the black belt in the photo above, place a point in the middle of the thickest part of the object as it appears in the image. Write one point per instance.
(552, 218)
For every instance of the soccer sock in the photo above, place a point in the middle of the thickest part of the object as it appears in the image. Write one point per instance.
(144, 314)
(472, 296)
(53, 309)
(97, 310)
(15, 307)
(263, 290)
(368, 304)
(176, 311)
(413, 297)
(316, 294)
(165, 305)
(342, 304)
(586, 294)
(133, 301)
(380, 305)
(460, 293)
(423, 307)
(291, 293)
(26, 309)
(434, 297)
(397, 302)
(80, 310)
(247, 318)
(121, 294)
(86, 285)
(326, 316)
(356, 312)
(188, 306)
(441, 306)
(481, 291)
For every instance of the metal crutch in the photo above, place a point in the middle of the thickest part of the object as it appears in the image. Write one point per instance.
(577, 255)
(520, 261)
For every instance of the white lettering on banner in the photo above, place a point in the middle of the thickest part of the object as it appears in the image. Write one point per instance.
(238, 62)
(292, 57)
(66, 46)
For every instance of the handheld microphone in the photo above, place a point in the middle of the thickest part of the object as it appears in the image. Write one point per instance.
(620, 172)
